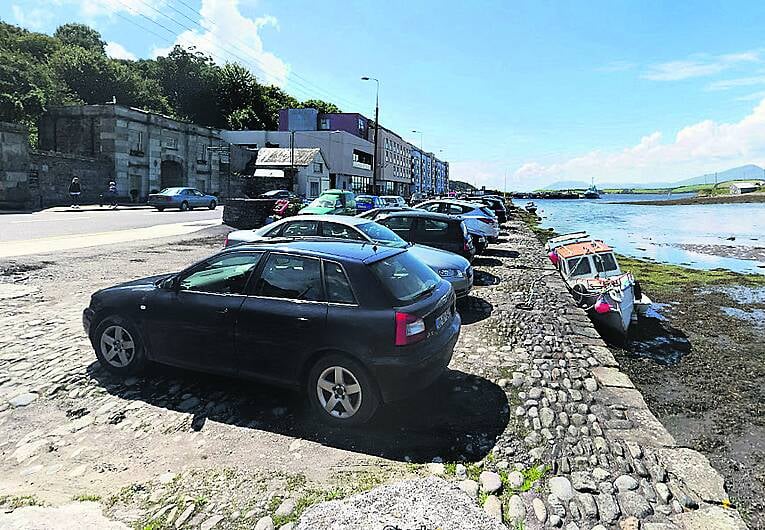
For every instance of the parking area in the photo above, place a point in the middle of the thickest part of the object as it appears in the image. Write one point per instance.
(69, 429)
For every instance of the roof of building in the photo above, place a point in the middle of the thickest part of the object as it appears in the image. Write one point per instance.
(580, 249)
(747, 184)
(282, 156)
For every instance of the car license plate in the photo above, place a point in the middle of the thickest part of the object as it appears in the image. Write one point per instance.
(443, 318)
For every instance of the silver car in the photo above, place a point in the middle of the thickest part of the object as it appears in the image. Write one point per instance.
(451, 267)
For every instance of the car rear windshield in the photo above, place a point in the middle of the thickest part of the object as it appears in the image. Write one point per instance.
(382, 235)
(405, 277)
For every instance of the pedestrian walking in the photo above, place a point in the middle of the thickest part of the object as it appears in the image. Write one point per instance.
(113, 194)
(74, 192)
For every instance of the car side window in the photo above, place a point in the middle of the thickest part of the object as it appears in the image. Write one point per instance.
(198, 193)
(275, 231)
(337, 284)
(226, 274)
(433, 229)
(454, 209)
(301, 228)
(341, 231)
(433, 207)
(397, 223)
(292, 277)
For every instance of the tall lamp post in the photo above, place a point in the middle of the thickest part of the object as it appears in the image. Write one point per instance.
(377, 131)
(422, 154)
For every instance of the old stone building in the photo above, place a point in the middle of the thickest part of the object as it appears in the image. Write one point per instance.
(144, 151)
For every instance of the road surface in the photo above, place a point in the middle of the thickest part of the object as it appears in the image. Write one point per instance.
(59, 229)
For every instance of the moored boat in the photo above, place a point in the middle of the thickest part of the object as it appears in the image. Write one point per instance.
(591, 193)
(531, 207)
(588, 266)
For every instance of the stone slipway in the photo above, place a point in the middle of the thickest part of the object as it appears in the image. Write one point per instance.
(611, 462)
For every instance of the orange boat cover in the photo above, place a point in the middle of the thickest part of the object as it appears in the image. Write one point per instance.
(580, 249)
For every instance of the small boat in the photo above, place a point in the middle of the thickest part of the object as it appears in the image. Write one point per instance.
(612, 298)
(592, 193)
(531, 207)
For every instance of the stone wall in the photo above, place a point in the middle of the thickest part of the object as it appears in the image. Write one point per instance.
(54, 172)
(14, 166)
(245, 214)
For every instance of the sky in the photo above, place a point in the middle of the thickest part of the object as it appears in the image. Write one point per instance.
(522, 92)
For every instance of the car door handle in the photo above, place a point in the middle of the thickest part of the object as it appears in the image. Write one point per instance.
(303, 322)
(223, 311)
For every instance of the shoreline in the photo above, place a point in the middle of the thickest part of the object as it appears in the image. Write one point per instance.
(700, 368)
(748, 198)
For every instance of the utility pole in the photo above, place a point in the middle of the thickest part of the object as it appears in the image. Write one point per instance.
(375, 161)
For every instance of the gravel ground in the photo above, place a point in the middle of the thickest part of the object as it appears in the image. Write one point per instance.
(533, 421)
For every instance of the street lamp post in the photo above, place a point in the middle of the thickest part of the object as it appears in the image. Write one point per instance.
(375, 163)
(422, 154)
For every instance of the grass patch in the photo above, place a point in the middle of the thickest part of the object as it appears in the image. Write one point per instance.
(450, 468)
(19, 501)
(85, 497)
(660, 277)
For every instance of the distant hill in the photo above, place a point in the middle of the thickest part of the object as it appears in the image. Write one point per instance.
(747, 172)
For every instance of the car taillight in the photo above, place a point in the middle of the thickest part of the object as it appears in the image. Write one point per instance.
(409, 329)
(486, 220)
(225, 243)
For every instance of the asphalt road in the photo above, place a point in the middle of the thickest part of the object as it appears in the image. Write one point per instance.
(67, 222)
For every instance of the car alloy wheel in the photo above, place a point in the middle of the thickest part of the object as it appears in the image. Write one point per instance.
(184, 206)
(117, 346)
(339, 392)
(212, 205)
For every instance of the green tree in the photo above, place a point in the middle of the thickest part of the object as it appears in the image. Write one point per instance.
(81, 36)
(322, 106)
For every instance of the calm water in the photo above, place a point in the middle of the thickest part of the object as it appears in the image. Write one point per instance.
(656, 232)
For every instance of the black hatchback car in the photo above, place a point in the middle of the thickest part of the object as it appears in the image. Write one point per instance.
(436, 230)
(352, 324)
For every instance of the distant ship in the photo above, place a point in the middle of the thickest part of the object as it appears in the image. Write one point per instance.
(592, 193)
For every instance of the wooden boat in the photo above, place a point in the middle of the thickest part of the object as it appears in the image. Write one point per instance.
(611, 297)
(531, 207)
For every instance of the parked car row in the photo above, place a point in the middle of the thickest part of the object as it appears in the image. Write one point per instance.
(354, 310)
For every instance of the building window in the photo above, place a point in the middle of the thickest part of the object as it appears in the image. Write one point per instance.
(361, 125)
(138, 146)
(318, 167)
(314, 188)
(170, 142)
(324, 124)
(202, 154)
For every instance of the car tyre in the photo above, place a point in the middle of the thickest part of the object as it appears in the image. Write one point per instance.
(160, 208)
(119, 347)
(212, 205)
(479, 247)
(185, 206)
(341, 392)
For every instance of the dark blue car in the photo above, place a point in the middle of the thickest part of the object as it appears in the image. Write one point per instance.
(182, 198)
(352, 324)
(367, 202)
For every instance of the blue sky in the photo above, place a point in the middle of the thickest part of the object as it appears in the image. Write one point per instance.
(543, 90)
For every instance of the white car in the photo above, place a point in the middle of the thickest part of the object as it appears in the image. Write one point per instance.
(393, 200)
(480, 220)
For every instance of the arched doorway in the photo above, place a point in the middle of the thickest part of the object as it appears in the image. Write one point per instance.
(171, 174)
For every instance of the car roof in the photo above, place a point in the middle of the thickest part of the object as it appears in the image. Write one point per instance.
(455, 201)
(331, 218)
(423, 214)
(391, 197)
(332, 249)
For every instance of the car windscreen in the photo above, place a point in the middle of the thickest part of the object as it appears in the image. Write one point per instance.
(327, 201)
(382, 235)
(405, 277)
(365, 200)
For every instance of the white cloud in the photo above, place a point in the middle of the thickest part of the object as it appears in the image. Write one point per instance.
(31, 18)
(694, 150)
(229, 35)
(727, 84)
(700, 65)
(92, 9)
(115, 50)
(756, 96)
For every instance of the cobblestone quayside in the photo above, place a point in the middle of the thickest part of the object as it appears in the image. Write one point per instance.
(534, 426)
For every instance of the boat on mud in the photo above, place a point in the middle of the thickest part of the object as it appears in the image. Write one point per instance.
(612, 298)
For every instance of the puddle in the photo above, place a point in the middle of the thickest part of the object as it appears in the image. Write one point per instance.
(755, 317)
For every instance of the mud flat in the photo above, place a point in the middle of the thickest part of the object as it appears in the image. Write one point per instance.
(700, 365)
(720, 199)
